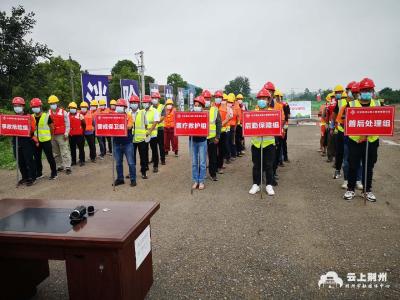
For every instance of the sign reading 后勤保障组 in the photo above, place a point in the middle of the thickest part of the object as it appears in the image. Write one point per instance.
(368, 121)
(262, 123)
(191, 123)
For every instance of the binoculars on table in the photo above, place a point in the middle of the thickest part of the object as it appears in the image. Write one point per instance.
(79, 213)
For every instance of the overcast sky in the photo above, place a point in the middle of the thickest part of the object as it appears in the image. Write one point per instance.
(295, 44)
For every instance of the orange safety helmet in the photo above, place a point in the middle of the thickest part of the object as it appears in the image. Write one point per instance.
(146, 99)
(366, 84)
(218, 94)
(155, 95)
(121, 102)
(206, 94)
(349, 86)
(355, 88)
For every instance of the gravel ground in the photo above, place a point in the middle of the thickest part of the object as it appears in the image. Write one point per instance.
(222, 243)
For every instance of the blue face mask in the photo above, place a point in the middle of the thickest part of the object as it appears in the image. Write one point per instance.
(366, 95)
(349, 94)
(338, 96)
(218, 100)
(262, 103)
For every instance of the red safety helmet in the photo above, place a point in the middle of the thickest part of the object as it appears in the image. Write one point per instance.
(155, 95)
(350, 85)
(18, 101)
(367, 83)
(269, 86)
(206, 94)
(201, 100)
(218, 94)
(263, 93)
(146, 99)
(121, 102)
(35, 102)
(355, 88)
(134, 98)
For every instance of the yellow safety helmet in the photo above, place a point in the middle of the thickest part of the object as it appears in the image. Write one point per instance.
(53, 99)
(94, 103)
(102, 102)
(338, 88)
(239, 97)
(112, 102)
(231, 97)
(344, 95)
(84, 104)
(72, 105)
(278, 93)
(169, 101)
(225, 97)
(328, 97)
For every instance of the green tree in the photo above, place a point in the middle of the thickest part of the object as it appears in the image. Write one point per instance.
(148, 79)
(176, 81)
(198, 91)
(17, 55)
(239, 85)
(126, 64)
(124, 72)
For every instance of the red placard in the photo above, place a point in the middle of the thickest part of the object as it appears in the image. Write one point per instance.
(111, 125)
(370, 121)
(191, 123)
(15, 125)
(262, 123)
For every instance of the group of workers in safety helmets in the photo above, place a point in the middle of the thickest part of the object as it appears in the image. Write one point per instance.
(349, 152)
(58, 133)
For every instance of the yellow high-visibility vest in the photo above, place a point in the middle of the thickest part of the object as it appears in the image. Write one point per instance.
(356, 103)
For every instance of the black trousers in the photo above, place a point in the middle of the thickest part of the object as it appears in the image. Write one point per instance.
(102, 145)
(339, 143)
(278, 147)
(160, 141)
(26, 158)
(142, 147)
(357, 154)
(239, 138)
(74, 141)
(268, 162)
(331, 145)
(212, 157)
(108, 138)
(92, 146)
(222, 150)
(284, 146)
(154, 152)
(48, 151)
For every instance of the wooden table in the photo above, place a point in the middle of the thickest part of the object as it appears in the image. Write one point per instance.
(100, 252)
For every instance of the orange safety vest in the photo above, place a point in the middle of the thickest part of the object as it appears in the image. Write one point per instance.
(89, 120)
(58, 120)
(233, 120)
(76, 124)
(169, 121)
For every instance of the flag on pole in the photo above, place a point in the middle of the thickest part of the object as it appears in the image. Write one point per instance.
(94, 87)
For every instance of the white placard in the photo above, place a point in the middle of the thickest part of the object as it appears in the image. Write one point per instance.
(142, 246)
(300, 109)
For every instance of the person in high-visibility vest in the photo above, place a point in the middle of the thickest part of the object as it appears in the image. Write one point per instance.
(123, 146)
(267, 143)
(89, 130)
(279, 139)
(170, 139)
(322, 124)
(152, 117)
(214, 129)
(26, 147)
(76, 134)
(198, 146)
(223, 150)
(234, 116)
(102, 109)
(155, 100)
(330, 137)
(353, 93)
(59, 141)
(239, 139)
(139, 132)
(44, 129)
(286, 111)
(357, 146)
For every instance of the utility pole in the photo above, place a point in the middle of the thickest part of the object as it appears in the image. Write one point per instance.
(141, 69)
(71, 72)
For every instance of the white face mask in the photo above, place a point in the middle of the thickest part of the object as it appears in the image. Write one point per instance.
(36, 110)
(53, 106)
(169, 106)
(72, 110)
(83, 109)
(146, 105)
(218, 100)
(102, 106)
(18, 109)
(93, 108)
(134, 106)
(154, 101)
(119, 109)
(112, 107)
(207, 103)
(240, 101)
(197, 108)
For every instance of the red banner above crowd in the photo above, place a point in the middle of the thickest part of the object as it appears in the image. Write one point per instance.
(370, 121)
(15, 125)
(262, 123)
(191, 123)
(111, 125)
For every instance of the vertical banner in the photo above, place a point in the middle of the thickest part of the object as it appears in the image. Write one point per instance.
(181, 100)
(191, 100)
(94, 87)
(168, 91)
(153, 87)
(128, 88)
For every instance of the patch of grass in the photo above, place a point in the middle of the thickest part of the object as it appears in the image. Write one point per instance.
(7, 160)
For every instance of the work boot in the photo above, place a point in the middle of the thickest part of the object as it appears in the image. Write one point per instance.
(337, 174)
(163, 163)
(155, 170)
(22, 181)
(133, 183)
(176, 154)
